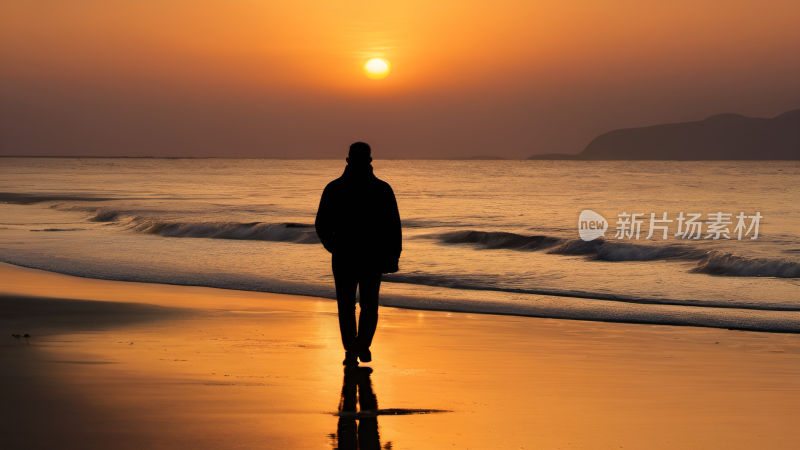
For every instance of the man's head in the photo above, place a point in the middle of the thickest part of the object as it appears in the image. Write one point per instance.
(359, 153)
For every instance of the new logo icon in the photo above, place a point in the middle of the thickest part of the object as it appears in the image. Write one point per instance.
(591, 225)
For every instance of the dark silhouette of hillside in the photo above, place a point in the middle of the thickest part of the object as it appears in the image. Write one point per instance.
(720, 137)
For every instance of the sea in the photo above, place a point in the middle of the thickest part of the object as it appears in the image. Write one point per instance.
(479, 236)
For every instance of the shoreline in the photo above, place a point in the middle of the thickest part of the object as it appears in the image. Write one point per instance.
(556, 307)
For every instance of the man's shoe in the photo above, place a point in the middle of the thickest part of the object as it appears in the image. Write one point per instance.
(365, 355)
(350, 358)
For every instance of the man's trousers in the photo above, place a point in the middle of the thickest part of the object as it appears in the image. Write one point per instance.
(368, 283)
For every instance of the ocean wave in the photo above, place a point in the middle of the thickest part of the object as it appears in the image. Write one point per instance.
(29, 199)
(576, 247)
(423, 223)
(599, 249)
(623, 251)
(104, 215)
(297, 233)
(478, 284)
(98, 214)
(60, 229)
(727, 264)
(498, 240)
(709, 262)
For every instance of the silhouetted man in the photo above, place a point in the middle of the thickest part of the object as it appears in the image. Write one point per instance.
(358, 222)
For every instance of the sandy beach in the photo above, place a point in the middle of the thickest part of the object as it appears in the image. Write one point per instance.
(128, 365)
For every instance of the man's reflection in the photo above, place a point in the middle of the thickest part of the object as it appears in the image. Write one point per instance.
(358, 430)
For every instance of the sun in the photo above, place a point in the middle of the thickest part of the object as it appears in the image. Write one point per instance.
(376, 68)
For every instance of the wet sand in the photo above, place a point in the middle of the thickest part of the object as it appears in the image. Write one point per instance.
(129, 365)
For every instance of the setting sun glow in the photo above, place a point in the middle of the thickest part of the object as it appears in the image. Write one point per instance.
(376, 68)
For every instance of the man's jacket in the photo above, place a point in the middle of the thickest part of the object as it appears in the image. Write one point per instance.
(358, 221)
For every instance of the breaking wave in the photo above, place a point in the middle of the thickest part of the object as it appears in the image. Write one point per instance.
(30, 199)
(467, 282)
(600, 249)
(709, 262)
(104, 215)
(297, 233)
(620, 251)
(498, 239)
(576, 247)
(727, 264)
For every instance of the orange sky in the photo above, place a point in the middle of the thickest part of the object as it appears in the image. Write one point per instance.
(285, 79)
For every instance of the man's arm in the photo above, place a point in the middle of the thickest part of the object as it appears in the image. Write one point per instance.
(325, 218)
(395, 228)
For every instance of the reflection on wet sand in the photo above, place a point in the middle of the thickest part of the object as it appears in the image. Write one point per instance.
(357, 388)
(358, 429)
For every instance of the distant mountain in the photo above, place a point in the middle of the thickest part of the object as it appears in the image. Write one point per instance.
(724, 136)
